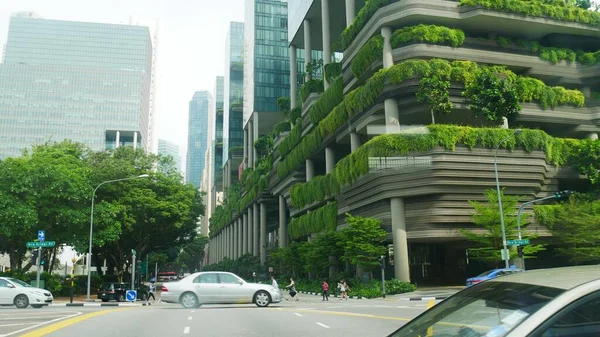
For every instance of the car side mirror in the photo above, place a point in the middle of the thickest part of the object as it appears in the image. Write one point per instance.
(8, 285)
(241, 282)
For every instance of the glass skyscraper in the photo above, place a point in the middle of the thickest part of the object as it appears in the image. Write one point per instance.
(233, 136)
(218, 146)
(199, 108)
(88, 82)
(166, 148)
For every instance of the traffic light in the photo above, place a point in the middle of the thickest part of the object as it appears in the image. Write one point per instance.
(520, 251)
(34, 256)
(563, 195)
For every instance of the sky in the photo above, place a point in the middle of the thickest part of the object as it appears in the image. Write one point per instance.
(191, 44)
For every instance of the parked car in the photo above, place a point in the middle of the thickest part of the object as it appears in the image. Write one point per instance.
(20, 294)
(490, 274)
(117, 291)
(539, 303)
(218, 288)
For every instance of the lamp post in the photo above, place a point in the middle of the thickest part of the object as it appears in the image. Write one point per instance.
(89, 257)
(506, 257)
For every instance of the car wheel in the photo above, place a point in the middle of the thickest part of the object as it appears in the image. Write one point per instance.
(189, 300)
(37, 306)
(121, 298)
(21, 301)
(262, 298)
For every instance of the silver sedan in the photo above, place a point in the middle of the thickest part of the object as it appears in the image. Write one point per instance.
(218, 288)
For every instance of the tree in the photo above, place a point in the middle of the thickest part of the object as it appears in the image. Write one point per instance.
(585, 158)
(487, 217)
(315, 253)
(492, 98)
(192, 254)
(434, 91)
(362, 241)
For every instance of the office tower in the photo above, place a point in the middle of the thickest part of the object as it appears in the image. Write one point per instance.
(199, 109)
(166, 148)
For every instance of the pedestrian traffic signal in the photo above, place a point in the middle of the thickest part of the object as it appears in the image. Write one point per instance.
(34, 256)
(520, 251)
(563, 195)
(382, 262)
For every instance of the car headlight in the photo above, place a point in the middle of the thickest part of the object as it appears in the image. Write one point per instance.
(37, 292)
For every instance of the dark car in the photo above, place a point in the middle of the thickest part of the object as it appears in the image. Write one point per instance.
(116, 291)
(490, 274)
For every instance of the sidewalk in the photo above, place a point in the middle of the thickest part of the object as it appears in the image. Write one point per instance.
(427, 293)
(81, 300)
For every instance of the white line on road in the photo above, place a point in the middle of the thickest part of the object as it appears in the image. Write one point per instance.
(336, 307)
(190, 318)
(193, 311)
(297, 314)
(40, 324)
(14, 324)
(323, 325)
(186, 329)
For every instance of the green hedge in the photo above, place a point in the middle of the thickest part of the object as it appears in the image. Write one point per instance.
(324, 218)
(358, 288)
(333, 70)
(356, 164)
(330, 98)
(281, 127)
(361, 19)
(312, 86)
(430, 34)
(361, 98)
(289, 142)
(556, 9)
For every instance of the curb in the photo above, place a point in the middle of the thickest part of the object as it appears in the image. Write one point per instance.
(426, 298)
(334, 296)
(99, 304)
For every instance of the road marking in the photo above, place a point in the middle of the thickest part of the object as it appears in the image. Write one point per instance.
(323, 325)
(339, 313)
(190, 318)
(40, 324)
(297, 314)
(336, 307)
(14, 324)
(186, 329)
(193, 311)
(62, 323)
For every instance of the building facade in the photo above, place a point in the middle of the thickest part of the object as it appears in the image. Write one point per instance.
(169, 149)
(217, 183)
(88, 82)
(200, 108)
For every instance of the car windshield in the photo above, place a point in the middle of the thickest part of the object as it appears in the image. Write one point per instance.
(486, 273)
(106, 286)
(19, 283)
(491, 306)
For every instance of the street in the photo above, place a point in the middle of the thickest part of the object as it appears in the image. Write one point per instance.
(309, 316)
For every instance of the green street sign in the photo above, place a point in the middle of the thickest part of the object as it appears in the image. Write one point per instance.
(133, 252)
(43, 244)
(518, 242)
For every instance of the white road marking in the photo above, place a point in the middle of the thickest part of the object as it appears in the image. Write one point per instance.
(193, 311)
(336, 307)
(190, 318)
(15, 324)
(323, 325)
(297, 314)
(186, 329)
(40, 324)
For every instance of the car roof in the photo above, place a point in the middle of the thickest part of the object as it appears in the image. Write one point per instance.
(562, 278)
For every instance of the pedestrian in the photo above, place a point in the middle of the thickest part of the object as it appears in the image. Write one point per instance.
(342, 286)
(292, 289)
(346, 289)
(151, 289)
(325, 288)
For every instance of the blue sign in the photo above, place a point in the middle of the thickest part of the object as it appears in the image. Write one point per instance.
(41, 235)
(131, 295)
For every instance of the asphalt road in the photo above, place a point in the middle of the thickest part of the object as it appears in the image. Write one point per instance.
(307, 317)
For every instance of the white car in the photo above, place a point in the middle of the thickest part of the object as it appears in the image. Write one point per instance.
(218, 288)
(20, 294)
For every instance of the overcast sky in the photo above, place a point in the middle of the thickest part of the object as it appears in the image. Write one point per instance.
(191, 49)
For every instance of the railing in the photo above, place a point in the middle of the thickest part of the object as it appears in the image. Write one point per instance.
(402, 164)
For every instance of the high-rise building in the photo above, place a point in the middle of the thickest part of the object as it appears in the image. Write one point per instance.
(166, 148)
(88, 82)
(217, 184)
(233, 137)
(199, 110)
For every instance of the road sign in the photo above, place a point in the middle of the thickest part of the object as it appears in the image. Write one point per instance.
(518, 242)
(131, 295)
(41, 235)
(505, 254)
(43, 244)
(270, 269)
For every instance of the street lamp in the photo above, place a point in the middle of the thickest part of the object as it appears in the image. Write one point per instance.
(499, 198)
(89, 257)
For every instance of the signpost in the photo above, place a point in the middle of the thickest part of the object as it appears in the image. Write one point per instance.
(133, 252)
(518, 242)
(38, 244)
(131, 295)
(382, 262)
(41, 235)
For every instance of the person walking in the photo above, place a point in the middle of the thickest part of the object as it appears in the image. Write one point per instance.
(151, 289)
(325, 288)
(292, 288)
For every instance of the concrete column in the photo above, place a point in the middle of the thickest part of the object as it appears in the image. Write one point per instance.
(350, 12)
(134, 140)
(234, 240)
(310, 170)
(504, 123)
(388, 60)
(245, 234)
(255, 136)
(293, 77)
(231, 242)
(118, 139)
(593, 136)
(255, 232)
(250, 230)
(240, 239)
(307, 48)
(326, 38)
(392, 115)
(401, 271)
(587, 91)
(226, 243)
(263, 233)
(354, 141)
(250, 144)
(283, 230)
(246, 144)
(329, 159)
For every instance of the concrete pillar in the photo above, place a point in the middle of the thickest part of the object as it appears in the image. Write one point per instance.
(329, 159)
(593, 136)
(250, 144)
(326, 38)
(118, 139)
(293, 78)
(254, 138)
(354, 141)
(392, 115)
(263, 233)
(504, 123)
(231, 242)
(245, 234)
(134, 140)
(307, 48)
(240, 240)
(283, 231)
(388, 60)
(350, 12)
(587, 91)
(255, 231)
(246, 144)
(250, 230)
(401, 271)
(310, 170)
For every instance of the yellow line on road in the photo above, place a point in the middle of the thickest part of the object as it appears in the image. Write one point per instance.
(68, 322)
(341, 313)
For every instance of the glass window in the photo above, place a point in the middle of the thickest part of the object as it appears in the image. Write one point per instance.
(228, 278)
(206, 278)
(579, 320)
(3, 284)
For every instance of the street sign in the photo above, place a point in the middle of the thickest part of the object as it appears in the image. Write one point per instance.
(131, 295)
(505, 254)
(41, 235)
(133, 252)
(518, 242)
(43, 244)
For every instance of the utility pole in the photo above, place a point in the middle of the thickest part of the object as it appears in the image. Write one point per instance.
(133, 270)
(37, 262)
